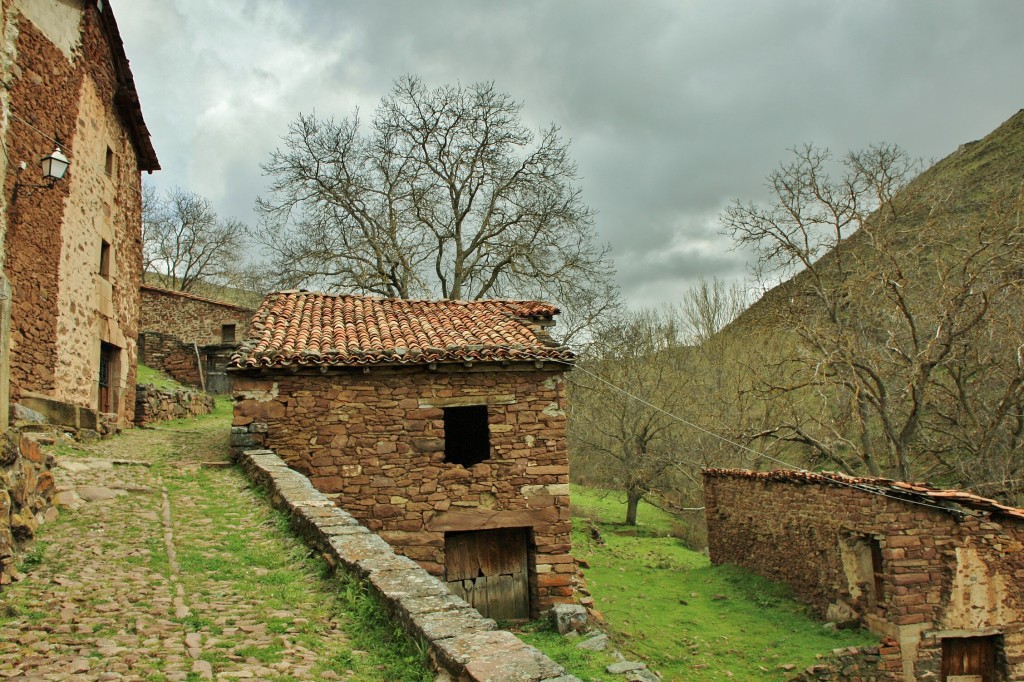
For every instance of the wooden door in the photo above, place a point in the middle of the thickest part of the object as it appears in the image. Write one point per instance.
(490, 570)
(106, 402)
(968, 659)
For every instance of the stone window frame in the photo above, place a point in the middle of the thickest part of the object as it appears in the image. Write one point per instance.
(106, 256)
(866, 548)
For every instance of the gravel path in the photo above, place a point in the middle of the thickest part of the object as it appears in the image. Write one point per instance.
(166, 566)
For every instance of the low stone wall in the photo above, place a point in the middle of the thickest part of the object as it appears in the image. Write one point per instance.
(156, 405)
(26, 495)
(461, 641)
(171, 356)
(857, 664)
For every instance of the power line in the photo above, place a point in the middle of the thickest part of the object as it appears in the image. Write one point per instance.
(849, 484)
(51, 138)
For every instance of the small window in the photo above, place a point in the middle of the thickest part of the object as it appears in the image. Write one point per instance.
(227, 333)
(104, 259)
(865, 570)
(108, 165)
(876, 568)
(467, 438)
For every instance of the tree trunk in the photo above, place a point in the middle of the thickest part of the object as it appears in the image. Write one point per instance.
(632, 502)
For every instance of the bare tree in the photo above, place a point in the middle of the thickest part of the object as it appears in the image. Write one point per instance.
(709, 305)
(447, 194)
(905, 346)
(625, 393)
(184, 241)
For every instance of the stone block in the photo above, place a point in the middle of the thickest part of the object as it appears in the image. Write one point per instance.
(569, 618)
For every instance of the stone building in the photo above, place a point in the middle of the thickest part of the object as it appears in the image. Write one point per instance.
(440, 425)
(939, 574)
(71, 252)
(190, 337)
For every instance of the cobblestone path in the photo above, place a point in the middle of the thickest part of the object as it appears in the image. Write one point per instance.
(168, 567)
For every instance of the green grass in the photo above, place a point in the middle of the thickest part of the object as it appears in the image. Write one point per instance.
(261, 560)
(586, 665)
(689, 620)
(148, 375)
(609, 507)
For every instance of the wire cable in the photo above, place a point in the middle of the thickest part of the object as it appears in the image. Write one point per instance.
(66, 148)
(849, 484)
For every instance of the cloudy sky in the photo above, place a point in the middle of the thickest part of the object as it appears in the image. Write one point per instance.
(674, 107)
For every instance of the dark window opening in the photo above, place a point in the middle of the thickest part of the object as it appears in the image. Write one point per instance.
(876, 568)
(467, 438)
(104, 259)
(108, 165)
(227, 333)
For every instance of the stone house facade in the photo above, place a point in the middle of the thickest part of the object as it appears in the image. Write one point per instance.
(191, 338)
(70, 253)
(938, 574)
(440, 425)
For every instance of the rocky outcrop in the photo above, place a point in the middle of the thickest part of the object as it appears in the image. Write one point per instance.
(155, 405)
(26, 495)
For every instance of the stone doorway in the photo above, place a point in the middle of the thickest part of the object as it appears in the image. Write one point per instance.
(490, 570)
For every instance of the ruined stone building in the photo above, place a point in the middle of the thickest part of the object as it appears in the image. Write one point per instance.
(939, 574)
(190, 337)
(440, 425)
(71, 252)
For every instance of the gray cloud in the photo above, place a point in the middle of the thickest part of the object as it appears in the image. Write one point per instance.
(674, 108)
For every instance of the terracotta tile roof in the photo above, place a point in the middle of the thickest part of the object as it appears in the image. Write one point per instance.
(919, 492)
(313, 329)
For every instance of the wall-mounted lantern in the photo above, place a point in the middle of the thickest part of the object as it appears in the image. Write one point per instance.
(54, 166)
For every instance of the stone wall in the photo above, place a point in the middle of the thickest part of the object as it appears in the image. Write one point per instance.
(191, 319)
(461, 642)
(375, 442)
(169, 355)
(156, 405)
(942, 573)
(178, 359)
(63, 82)
(856, 664)
(26, 495)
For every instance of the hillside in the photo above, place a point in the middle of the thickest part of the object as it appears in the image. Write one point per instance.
(894, 353)
(980, 172)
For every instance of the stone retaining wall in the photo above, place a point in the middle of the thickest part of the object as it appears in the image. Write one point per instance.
(461, 642)
(26, 495)
(156, 405)
(856, 664)
(170, 355)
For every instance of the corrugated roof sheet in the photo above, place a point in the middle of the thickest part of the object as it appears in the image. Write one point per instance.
(315, 329)
(921, 492)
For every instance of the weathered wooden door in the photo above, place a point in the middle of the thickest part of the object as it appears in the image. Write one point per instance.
(489, 569)
(969, 659)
